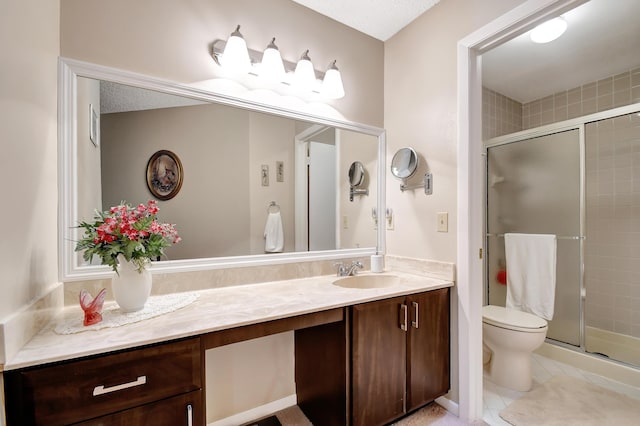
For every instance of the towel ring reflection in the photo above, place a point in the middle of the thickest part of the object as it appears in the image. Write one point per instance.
(273, 207)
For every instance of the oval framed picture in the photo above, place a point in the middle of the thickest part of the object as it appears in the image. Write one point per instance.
(164, 175)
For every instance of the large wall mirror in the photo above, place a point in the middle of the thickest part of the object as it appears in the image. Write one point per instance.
(238, 159)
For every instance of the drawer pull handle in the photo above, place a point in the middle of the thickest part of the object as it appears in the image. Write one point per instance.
(101, 390)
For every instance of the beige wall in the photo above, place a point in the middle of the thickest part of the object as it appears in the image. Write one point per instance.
(28, 117)
(360, 227)
(420, 111)
(171, 40)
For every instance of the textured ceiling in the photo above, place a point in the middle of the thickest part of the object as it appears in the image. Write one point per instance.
(380, 19)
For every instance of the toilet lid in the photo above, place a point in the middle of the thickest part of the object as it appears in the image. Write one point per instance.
(510, 318)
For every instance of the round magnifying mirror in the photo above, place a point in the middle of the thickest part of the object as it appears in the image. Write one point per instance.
(404, 163)
(356, 173)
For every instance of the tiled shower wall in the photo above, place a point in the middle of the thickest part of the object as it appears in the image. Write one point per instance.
(612, 249)
(500, 115)
(611, 92)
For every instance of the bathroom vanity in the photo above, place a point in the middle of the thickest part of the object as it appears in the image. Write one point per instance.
(362, 355)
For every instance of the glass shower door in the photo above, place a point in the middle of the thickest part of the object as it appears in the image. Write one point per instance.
(533, 186)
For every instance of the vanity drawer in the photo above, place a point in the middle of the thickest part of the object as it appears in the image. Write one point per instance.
(89, 388)
(177, 411)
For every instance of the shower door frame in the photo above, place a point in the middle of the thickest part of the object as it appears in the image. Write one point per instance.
(579, 124)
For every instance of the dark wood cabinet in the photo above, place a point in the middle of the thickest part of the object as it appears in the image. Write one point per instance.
(124, 383)
(179, 410)
(428, 347)
(399, 355)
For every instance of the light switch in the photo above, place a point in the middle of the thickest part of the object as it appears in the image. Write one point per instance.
(443, 222)
(345, 222)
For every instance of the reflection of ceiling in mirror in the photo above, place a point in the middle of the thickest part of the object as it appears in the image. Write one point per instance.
(116, 97)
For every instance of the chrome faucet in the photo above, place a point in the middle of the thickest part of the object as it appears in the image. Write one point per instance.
(348, 270)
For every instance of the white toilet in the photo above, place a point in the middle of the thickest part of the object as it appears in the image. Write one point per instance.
(509, 338)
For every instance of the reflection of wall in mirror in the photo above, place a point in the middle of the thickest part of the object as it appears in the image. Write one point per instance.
(271, 139)
(363, 148)
(89, 189)
(211, 210)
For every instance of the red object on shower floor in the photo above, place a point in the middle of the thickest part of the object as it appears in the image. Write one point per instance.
(501, 277)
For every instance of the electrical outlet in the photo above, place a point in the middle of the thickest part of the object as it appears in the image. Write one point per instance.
(443, 222)
(345, 222)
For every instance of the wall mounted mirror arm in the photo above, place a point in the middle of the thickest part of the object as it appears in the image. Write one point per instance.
(427, 184)
(404, 165)
(357, 182)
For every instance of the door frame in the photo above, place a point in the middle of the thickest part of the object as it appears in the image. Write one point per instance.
(470, 210)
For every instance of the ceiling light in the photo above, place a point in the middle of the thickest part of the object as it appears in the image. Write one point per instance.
(332, 87)
(549, 30)
(236, 56)
(271, 67)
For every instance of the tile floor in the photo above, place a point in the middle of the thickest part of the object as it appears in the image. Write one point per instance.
(497, 398)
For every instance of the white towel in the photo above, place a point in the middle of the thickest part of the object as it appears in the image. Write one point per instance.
(531, 273)
(273, 234)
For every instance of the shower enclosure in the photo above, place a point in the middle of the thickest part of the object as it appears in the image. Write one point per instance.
(579, 180)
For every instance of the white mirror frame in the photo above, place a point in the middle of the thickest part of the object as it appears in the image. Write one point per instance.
(70, 270)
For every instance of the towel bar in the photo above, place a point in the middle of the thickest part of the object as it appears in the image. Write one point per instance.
(575, 237)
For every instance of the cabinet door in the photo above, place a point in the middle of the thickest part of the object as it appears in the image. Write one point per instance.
(180, 410)
(378, 362)
(427, 347)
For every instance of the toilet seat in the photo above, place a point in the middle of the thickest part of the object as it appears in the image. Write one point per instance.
(511, 319)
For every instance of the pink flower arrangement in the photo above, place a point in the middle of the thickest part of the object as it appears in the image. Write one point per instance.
(133, 232)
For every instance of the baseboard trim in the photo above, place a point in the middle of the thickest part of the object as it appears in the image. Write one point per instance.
(257, 412)
(449, 405)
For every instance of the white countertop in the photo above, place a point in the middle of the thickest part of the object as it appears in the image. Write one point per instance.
(215, 309)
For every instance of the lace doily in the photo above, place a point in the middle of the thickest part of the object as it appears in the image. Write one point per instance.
(112, 316)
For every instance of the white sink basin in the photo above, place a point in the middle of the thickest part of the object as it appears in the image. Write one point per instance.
(367, 281)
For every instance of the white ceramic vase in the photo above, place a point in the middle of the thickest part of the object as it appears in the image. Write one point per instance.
(131, 288)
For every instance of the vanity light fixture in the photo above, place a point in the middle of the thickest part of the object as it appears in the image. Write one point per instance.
(304, 77)
(271, 67)
(549, 30)
(234, 56)
(332, 87)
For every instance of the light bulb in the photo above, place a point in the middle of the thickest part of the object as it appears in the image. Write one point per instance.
(332, 87)
(235, 57)
(304, 77)
(271, 67)
(549, 30)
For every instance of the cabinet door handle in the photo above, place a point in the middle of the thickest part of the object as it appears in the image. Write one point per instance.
(404, 313)
(416, 309)
(101, 390)
(189, 415)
